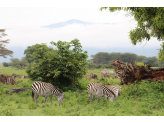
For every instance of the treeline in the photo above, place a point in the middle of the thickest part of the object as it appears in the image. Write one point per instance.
(15, 62)
(24, 61)
(104, 59)
(99, 60)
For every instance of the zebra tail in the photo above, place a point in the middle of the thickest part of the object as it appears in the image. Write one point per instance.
(119, 93)
(32, 94)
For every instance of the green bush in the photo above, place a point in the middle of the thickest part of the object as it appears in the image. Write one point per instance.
(62, 67)
(5, 64)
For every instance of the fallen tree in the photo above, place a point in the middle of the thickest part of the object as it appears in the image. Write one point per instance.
(9, 80)
(19, 89)
(132, 72)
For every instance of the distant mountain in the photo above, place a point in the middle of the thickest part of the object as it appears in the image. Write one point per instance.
(62, 24)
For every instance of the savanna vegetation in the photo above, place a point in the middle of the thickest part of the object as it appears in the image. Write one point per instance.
(70, 74)
(145, 98)
(141, 99)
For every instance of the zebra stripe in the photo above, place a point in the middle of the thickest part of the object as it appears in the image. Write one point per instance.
(98, 89)
(46, 89)
(116, 89)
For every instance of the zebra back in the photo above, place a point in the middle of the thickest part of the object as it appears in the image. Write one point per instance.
(115, 89)
(100, 90)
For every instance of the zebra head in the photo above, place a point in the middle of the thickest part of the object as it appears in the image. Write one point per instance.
(61, 97)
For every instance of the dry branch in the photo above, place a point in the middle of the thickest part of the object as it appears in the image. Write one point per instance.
(19, 89)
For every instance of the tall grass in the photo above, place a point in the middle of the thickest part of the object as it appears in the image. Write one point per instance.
(138, 99)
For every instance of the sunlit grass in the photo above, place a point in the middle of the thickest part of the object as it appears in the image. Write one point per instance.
(146, 99)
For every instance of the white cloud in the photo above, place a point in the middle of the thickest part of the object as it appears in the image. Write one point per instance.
(24, 27)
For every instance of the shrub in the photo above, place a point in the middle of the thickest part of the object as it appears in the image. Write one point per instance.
(5, 64)
(62, 67)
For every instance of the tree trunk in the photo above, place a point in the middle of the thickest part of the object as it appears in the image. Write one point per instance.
(19, 89)
(130, 73)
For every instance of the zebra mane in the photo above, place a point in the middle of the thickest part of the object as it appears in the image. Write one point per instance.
(58, 89)
(111, 91)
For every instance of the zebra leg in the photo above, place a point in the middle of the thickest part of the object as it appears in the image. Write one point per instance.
(98, 99)
(36, 96)
(90, 97)
(45, 99)
(102, 98)
(93, 97)
(51, 99)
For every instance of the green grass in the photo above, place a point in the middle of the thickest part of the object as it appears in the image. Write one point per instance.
(144, 99)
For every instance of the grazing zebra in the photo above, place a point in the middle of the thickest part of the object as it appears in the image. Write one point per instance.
(116, 89)
(98, 89)
(46, 89)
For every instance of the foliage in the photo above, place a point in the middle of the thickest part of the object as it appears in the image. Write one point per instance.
(101, 58)
(140, 58)
(30, 50)
(145, 88)
(15, 62)
(150, 23)
(5, 64)
(23, 62)
(140, 63)
(62, 67)
(17, 66)
(138, 99)
(3, 51)
(125, 57)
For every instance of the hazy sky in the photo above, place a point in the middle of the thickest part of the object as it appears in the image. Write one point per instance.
(95, 29)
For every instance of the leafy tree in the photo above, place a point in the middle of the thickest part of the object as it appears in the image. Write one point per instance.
(113, 56)
(3, 51)
(127, 57)
(30, 50)
(151, 60)
(23, 62)
(101, 58)
(5, 64)
(150, 24)
(110, 64)
(14, 62)
(62, 67)
(141, 58)
(160, 64)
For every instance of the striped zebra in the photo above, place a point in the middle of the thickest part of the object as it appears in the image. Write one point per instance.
(46, 89)
(116, 89)
(98, 89)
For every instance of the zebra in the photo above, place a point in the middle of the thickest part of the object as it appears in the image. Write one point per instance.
(116, 89)
(46, 89)
(98, 89)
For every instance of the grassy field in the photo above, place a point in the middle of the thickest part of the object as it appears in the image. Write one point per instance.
(144, 99)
